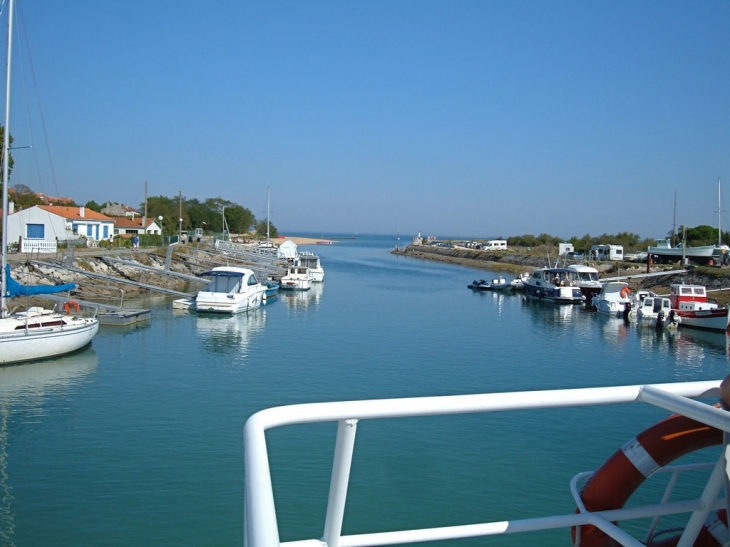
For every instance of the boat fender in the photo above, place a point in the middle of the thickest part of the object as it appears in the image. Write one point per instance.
(622, 474)
(71, 304)
(625, 292)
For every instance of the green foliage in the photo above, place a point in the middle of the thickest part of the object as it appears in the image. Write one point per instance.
(23, 197)
(261, 230)
(629, 241)
(207, 214)
(93, 206)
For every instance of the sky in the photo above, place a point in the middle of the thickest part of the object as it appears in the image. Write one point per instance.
(473, 118)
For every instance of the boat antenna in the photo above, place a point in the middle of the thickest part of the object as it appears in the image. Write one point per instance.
(5, 162)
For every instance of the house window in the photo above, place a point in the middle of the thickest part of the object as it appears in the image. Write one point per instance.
(106, 232)
(35, 231)
(75, 228)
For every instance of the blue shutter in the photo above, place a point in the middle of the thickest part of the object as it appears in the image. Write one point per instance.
(35, 231)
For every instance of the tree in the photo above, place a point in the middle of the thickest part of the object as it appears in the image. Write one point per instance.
(93, 206)
(24, 197)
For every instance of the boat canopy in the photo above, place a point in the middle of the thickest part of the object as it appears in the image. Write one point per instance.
(222, 274)
(16, 289)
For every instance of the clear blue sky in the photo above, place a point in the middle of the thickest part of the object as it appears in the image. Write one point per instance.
(463, 118)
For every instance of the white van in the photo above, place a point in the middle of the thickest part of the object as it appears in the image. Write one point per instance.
(495, 244)
(607, 252)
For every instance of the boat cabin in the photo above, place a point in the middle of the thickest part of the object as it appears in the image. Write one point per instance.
(652, 305)
(690, 297)
(230, 280)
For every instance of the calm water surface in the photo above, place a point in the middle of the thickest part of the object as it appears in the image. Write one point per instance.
(138, 440)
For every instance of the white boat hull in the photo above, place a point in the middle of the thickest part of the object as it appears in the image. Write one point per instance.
(227, 303)
(44, 342)
(712, 319)
(296, 284)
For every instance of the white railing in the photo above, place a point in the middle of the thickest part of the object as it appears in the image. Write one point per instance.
(38, 245)
(260, 522)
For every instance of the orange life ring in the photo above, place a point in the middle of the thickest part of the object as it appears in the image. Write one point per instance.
(625, 292)
(612, 485)
(71, 304)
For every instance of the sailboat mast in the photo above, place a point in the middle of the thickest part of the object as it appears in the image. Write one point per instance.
(719, 215)
(6, 163)
(268, 205)
(674, 220)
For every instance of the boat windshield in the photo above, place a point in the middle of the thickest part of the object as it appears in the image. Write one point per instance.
(225, 283)
(588, 276)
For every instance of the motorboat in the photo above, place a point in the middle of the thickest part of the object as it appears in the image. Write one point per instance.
(586, 278)
(555, 285)
(499, 284)
(656, 311)
(613, 298)
(518, 283)
(271, 289)
(664, 252)
(690, 303)
(297, 278)
(311, 261)
(231, 290)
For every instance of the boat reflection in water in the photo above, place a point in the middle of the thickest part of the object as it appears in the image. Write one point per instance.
(30, 383)
(230, 334)
(301, 300)
(25, 388)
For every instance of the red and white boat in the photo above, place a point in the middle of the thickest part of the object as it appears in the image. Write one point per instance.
(690, 303)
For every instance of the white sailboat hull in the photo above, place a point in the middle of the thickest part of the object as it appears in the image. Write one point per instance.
(43, 342)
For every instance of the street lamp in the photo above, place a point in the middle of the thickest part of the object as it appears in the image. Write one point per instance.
(161, 236)
(179, 232)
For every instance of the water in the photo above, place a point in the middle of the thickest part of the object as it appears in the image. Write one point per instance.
(138, 440)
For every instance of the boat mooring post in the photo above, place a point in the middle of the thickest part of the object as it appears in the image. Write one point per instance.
(344, 447)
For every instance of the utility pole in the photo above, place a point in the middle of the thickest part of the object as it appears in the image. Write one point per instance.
(179, 230)
(144, 222)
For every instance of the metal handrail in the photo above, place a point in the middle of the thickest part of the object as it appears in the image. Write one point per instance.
(260, 522)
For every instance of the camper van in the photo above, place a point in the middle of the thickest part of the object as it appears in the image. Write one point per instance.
(607, 252)
(495, 245)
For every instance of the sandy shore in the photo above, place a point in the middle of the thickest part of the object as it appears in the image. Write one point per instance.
(302, 240)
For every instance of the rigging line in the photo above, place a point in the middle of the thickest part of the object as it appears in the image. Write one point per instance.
(40, 109)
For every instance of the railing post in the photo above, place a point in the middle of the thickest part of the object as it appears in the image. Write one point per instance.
(712, 489)
(344, 447)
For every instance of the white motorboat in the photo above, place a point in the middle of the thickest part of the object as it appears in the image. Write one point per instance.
(518, 283)
(36, 333)
(613, 298)
(555, 285)
(690, 303)
(297, 278)
(656, 311)
(232, 290)
(311, 261)
(586, 278)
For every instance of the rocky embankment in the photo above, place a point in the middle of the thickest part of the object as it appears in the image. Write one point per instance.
(100, 289)
(714, 278)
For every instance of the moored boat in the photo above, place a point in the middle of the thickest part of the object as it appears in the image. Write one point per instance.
(313, 263)
(297, 278)
(690, 303)
(553, 284)
(586, 278)
(518, 283)
(499, 284)
(232, 290)
(613, 298)
(657, 311)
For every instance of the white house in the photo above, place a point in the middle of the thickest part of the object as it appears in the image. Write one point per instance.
(51, 223)
(124, 226)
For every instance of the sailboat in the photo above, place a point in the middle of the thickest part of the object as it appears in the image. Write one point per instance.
(35, 333)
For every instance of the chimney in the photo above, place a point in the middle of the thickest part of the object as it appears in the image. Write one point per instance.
(11, 207)
(82, 210)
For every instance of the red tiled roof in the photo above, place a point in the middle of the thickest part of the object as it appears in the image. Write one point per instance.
(126, 222)
(74, 212)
